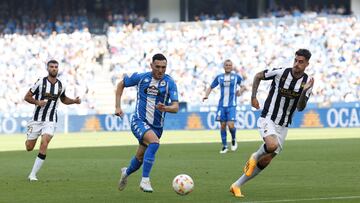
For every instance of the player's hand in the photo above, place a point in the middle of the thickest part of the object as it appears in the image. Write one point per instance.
(161, 107)
(255, 103)
(238, 93)
(42, 102)
(119, 112)
(205, 98)
(77, 100)
(309, 84)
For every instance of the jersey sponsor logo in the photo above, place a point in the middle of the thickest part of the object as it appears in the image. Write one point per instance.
(50, 96)
(152, 90)
(227, 83)
(288, 93)
(232, 77)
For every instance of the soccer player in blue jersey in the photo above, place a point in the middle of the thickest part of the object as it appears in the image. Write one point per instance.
(156, 95)
(226, 112)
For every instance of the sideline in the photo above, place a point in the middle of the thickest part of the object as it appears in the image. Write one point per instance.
(103, 139)
(307, 199)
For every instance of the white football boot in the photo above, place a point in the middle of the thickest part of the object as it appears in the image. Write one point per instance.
(123, 179)
(145, 186)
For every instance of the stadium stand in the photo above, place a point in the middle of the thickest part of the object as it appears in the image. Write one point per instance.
(97, 44)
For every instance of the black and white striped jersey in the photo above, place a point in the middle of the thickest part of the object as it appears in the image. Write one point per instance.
(283, 96)
(43, 89)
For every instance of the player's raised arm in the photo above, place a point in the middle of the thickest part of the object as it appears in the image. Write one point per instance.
(258, 77)
(119, 91)
(304, 97)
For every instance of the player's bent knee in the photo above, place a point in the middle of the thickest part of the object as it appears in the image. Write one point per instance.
(271, 147)
(29, 146)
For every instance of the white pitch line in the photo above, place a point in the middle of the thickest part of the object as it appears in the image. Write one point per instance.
(308, 199)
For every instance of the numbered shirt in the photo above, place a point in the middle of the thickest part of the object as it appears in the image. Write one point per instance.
(149, 93)
(228, 84)
(43, 89)
(284, 95)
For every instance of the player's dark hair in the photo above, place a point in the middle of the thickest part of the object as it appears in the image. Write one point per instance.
(159, 57)
(303, 52)
(51, 61)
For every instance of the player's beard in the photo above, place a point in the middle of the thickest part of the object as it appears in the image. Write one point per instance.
(53, 74)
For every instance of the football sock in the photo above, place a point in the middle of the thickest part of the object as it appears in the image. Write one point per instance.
(243, 179)
(260, 152)
(38, 163)
(149, 158)
(223, 137)
(233, 133)
(134, 165)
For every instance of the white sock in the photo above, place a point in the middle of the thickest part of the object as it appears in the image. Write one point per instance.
(145, 179)
(260, 152)
(37, 165)
(243, 179)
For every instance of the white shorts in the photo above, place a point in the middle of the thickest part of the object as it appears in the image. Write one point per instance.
(268, 127)
(37, 128)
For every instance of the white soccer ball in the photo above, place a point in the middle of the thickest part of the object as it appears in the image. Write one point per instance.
(183, 184)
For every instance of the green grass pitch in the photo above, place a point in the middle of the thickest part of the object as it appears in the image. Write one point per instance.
(317, 165)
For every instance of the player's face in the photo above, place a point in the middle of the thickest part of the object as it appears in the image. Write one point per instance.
(158, 69)
(228, 66)
(300, 63)
(53, 69)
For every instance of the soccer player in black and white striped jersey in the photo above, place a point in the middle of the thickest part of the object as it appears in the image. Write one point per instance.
(290, 90)
(45, 94)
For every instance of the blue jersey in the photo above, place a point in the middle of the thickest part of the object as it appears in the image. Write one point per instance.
(228, 83)
(149, 93)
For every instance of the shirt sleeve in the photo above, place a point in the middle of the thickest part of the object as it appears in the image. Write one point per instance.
(132, 80)
(309, 92)
(215, 82)
(173, 92)
(62, 94)
(35, 88)
(239, 79)
(270, 74)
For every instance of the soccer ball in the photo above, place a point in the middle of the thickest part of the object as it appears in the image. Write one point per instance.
(183, 184)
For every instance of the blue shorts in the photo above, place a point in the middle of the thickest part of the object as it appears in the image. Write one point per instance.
(140, 127)
(226, 113)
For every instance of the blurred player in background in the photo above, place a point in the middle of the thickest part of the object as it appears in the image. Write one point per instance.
(156, 95)
(290, 90)
(45, 94)
(226, 112)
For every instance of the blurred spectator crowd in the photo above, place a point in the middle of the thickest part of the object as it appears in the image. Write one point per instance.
(195, 53)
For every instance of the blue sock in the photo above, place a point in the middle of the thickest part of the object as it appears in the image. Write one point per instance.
(149, 158)
(134, 166)
(223, 137)
(233, 133)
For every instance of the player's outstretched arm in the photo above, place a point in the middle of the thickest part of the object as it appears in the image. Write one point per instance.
(29, 98)
(172, 108)
(66, 100)
(119, 91)
(303, 98)
(207, 93)
(258, 77)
